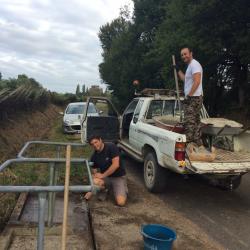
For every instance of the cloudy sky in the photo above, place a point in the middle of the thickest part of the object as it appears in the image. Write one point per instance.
(54, 41)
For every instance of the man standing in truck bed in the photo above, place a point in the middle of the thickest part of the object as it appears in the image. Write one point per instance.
(193, 95)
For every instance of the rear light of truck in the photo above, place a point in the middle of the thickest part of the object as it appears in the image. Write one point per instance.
(180, 148)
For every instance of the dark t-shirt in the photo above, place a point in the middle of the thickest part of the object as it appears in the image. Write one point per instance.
(103, 159)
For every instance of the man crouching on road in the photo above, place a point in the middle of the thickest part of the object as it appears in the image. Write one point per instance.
(106, 157)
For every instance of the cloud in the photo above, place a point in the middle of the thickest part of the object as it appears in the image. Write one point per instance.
(55, 42)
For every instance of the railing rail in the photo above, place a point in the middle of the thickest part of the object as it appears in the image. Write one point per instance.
(52, 188)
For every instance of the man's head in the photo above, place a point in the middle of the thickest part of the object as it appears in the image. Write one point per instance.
(186, 55)
(96, 142)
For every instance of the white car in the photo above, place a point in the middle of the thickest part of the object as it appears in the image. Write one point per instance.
(73, 115)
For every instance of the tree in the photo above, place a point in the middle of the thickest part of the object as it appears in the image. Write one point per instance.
(83, 89)
(224, 61)
(116, 44)
(78, 93)
(142, 48)
(126, 44)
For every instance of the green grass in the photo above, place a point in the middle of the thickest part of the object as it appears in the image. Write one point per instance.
(38, 173)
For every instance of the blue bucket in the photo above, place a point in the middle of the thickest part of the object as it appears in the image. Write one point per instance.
(157, 237)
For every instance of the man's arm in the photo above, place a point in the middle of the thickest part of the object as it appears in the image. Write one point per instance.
(196, 83)
(115, 165)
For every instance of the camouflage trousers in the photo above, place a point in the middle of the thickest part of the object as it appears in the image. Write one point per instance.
(192, 106)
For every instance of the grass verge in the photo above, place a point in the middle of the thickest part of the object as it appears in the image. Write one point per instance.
(37, 173)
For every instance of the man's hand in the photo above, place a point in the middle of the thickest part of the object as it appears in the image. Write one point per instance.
(87, 196)
(179, 72)
(99, 176)
(176, 66)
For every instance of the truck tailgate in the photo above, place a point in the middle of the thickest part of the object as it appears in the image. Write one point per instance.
(225, 162)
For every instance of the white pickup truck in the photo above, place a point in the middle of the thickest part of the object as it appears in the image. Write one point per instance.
(160, 149)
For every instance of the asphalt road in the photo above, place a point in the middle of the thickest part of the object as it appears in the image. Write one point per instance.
(223, 215)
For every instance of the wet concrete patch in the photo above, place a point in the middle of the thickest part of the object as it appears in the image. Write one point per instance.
(50, 243)
(23, 233)
(77, 215)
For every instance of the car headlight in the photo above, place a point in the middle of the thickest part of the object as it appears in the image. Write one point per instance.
(67, 122)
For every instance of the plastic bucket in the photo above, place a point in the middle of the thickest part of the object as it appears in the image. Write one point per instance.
(157, 237)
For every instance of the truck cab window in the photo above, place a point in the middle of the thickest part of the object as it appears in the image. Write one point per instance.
(169, 107)
(127, 117)
(137, 111)
(131, 107)
(155, 109)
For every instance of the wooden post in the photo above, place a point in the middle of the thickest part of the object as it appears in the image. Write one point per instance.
(66, 197)
(177, 87)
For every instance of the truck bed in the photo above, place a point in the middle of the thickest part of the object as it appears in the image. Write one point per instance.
(229, 156)
(226, 162)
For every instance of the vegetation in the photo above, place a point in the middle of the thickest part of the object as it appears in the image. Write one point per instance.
(38, 174)
(94, 90)
(26, 94)
(22, 93)
(141, 47)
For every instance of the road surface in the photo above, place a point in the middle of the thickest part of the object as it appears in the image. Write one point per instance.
(224, 215)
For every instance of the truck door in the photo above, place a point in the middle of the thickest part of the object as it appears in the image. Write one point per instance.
(105, 122)
(127, 117)
(133, 129)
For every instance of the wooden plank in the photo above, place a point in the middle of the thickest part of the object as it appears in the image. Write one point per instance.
(66, 198)
(6, 240)
(17, 211)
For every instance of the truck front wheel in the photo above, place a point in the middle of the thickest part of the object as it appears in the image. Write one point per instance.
(154, 174)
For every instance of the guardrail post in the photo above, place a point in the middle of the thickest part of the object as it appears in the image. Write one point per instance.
(52, 182)
(51, 198)
(41, 217)
(56, 174)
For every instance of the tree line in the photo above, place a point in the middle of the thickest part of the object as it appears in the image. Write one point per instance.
(94, 90)
(26, 94)
(22, 93)
(139, 46)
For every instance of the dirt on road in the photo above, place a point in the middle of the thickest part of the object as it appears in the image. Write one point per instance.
(119, 228)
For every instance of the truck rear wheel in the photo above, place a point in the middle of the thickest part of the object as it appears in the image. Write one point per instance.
(230, 183)
(154, 174)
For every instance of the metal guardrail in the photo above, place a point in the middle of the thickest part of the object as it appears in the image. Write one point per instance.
(52, 188)
(29, 143)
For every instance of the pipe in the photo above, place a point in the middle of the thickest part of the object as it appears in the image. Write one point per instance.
(35, 189)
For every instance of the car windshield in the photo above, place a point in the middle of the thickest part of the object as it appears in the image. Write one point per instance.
(78, 109)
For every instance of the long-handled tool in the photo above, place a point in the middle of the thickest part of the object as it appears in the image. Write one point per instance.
(177, 87)
(66, 197)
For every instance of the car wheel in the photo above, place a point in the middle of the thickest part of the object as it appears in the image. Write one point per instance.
(154, 174)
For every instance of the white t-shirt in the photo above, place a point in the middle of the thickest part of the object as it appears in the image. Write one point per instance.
(193, 67)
